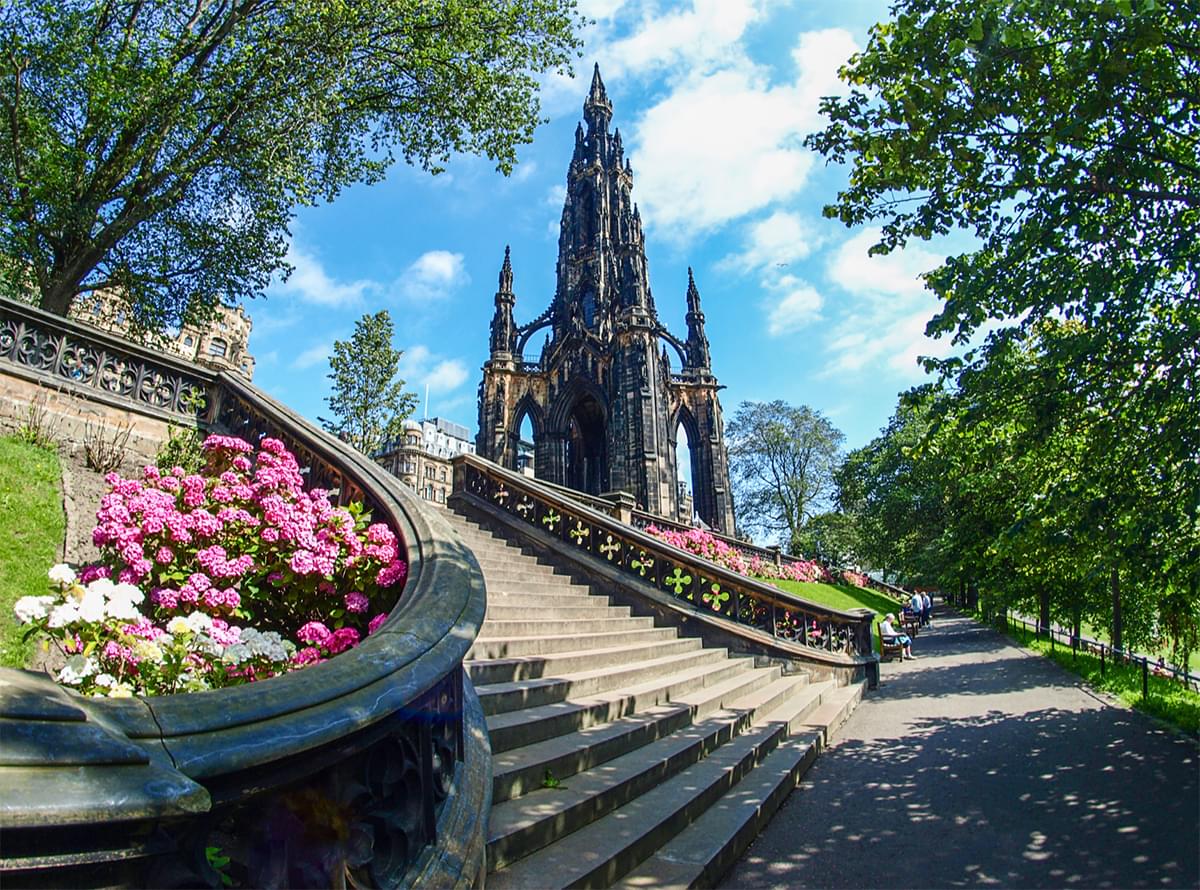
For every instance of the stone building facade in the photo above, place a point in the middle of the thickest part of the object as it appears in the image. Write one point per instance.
(420, 458)
(603, 400)
(224, 343)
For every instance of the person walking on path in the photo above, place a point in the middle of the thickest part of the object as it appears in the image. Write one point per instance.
(987, 765)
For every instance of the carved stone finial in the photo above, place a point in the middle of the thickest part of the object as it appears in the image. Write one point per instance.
(597, 110)
(506, 272)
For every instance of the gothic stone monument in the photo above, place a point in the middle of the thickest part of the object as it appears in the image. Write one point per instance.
(603, 402)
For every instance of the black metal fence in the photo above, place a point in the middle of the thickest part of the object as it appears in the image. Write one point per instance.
(1108, 655)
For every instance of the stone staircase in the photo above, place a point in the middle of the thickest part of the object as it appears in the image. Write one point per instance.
(624, 753)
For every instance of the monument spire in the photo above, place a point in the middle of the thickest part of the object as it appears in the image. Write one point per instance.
(597, 109)
(504, 329)
(698, 356)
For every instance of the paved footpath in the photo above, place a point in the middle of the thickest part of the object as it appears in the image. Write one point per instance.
(977, 764)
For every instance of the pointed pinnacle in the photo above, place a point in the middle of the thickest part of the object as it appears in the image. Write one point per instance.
(507, 267)
(597, 83)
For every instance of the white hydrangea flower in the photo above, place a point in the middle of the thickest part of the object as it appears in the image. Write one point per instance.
(147, 650)
(76, 670)
(121, 690)
(127, 591)
(103, 586)
(62, 574)
(122, 605)
(105, 680)
(33, 608)
(179, 625)
(199, 622)
(91, 607)
(64, 614)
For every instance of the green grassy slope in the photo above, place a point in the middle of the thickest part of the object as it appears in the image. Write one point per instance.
(31, 533)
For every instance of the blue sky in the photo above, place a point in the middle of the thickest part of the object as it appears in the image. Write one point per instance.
(713, 99)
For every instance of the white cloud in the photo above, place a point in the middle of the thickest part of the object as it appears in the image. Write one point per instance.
(895, 274)
(434, 275)
(524, 170)
(798, 304)
(774, 242)
(885, 328)
(420, 368)
(706, 34)
(311, 283)
(314, 355)
(600, 9)
(726, 144)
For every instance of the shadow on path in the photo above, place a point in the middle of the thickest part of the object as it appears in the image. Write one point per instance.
(978, 764)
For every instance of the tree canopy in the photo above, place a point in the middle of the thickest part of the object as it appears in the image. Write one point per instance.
(368, 401)
(781, 461)
(158, 150)
(1059, 456)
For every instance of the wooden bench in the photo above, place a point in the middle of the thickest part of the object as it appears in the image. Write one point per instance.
(889, 646)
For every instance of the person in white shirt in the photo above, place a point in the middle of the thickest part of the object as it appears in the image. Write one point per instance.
(888, 632)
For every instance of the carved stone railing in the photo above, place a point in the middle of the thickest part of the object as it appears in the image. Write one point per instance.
(94, 365)
(688, 579)
(371, 769)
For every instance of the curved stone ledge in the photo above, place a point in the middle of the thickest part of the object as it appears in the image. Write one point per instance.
(161, 761)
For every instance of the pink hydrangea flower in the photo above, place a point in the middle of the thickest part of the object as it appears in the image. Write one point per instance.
(314, 632)
(342, 639)
(356, 602)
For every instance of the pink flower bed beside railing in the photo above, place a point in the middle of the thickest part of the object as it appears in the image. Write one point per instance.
(704, 544)
(216, 579)
(858, 579)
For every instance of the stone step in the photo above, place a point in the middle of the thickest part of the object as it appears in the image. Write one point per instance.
(702, 852)
(601, 852)
(530, 626)
(498, 610)
(523, 825)
(534, 571)
(517, 771)
(488, 648)
(836, 706)
(556, 586)
(674, 674)
(572, 598)
(506, 670)
(535, 723)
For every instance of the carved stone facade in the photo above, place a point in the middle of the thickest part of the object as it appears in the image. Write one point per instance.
(603, 401)
(224, 344)
(421, 457)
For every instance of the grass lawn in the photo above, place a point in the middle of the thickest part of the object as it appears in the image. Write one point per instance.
(31, 534)
(1168, 700)
(842, 596)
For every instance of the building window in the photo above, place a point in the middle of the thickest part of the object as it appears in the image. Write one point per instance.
(187, 341)
(429, 492)
(441, 495)
(217, 347)
(443, 475)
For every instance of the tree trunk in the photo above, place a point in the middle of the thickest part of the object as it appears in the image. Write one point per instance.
(1043, 610)
(1114, 583)
(57, 298)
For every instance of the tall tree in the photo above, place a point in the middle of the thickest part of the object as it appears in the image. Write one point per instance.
(1064, 138)
(368, 402)
(158, 150)
(782, 461)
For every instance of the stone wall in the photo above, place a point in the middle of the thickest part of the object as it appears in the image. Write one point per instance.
(71, 419)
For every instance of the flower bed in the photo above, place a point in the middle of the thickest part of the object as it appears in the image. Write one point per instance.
(705, 545)
(215, 579)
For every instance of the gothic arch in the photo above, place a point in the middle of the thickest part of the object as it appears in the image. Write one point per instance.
(575, 392)
(527, 406)
(580, 426)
